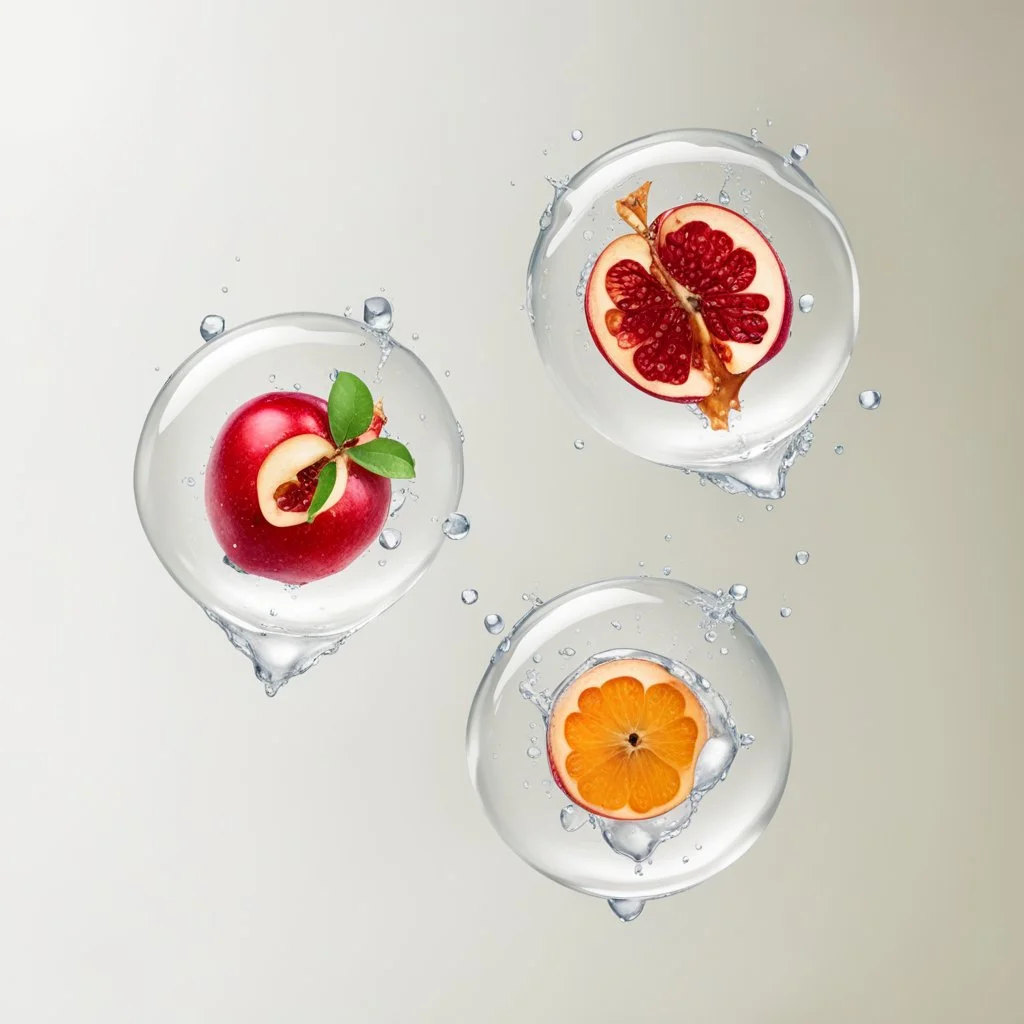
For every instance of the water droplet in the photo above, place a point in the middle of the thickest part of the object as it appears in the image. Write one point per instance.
(616, 625)
(573, 817)
(273, 611)
(415, 336)
(869, 399)
(588, 235)
(211, 326)
(723, 650)
(746, 739)
(296, 387)
(579, 444)
(723, 198)
(785, 612)
(839, 449)
(538, 658)
(377, 313)
(739, 518)
(686, 860)
(189, 481)
(745, 195)
(272, 378)
(526, 784)
(627, 910)
(769, 508)
(768, 122)
(799, 152)
(382, 562)
(567, 652)
(697, 846)
(390, 539)
(545, 218)
(470, 596)
(755, 135)
(576, 135)
(667, 571)
(225, 289)
(802, 557)
(668, 537)
(806, 303)
(738, 592)
(494, 623)
(711, 636)
(455, 526)
(533, 752)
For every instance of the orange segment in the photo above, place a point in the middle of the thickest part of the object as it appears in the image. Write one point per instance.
(623, 739)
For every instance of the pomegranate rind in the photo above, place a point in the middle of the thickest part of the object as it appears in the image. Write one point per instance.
(649, 674)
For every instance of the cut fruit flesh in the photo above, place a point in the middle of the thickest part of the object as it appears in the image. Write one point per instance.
(685, 309)
(624, 738)
(282, 467)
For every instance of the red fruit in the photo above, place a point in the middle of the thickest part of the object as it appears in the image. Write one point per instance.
(685, 309)
(260, 480)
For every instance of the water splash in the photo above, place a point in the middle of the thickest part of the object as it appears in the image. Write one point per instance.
(277, 657)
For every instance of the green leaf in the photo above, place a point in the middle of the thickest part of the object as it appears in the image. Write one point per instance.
(385, 457)
(324, 485)
(349, 408)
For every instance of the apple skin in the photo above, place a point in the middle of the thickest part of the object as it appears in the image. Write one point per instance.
(290, 554)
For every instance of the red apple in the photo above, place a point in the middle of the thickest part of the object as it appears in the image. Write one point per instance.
(260, 480)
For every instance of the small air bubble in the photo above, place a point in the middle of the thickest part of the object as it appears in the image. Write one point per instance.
(389, 539)
(455, 526)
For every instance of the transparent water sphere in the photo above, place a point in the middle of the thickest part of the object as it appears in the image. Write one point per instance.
(740, 773)
(285, 628)
(784, 393)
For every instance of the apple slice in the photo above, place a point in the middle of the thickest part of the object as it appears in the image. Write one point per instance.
(280, 471)
(686, 308)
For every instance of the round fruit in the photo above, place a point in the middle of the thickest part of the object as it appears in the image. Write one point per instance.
(623, 740)
(699, 295)
(260, 481)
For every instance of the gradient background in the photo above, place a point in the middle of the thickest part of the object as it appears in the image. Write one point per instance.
(175, 846)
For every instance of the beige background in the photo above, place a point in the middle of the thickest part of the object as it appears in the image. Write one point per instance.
(177, 847)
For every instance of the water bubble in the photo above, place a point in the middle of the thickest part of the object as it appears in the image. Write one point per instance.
(745, 195)
(799, 152)
(389, 539)
(738, 592)
(538, 658)
(723, 198)
(588, 235)
(273, 612)
(377, 313)
(839, 449)
(567, 652)
(806, 303)
(723, 650)
(455, 526)
(740, 518)
(616, 625)
(802, 557)
(576, 135)
(768, 122)
(573, 817)
(211, 326)
(224, 289)
(769, 507)
(578, 444)
(710, 636)
(494, 623)
(667, 571)
(627, 910)
(470, 596)
(785, 612)
(189, 481)
(533, 751)
(869, 399)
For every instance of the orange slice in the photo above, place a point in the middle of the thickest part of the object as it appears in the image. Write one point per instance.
(624, 738)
